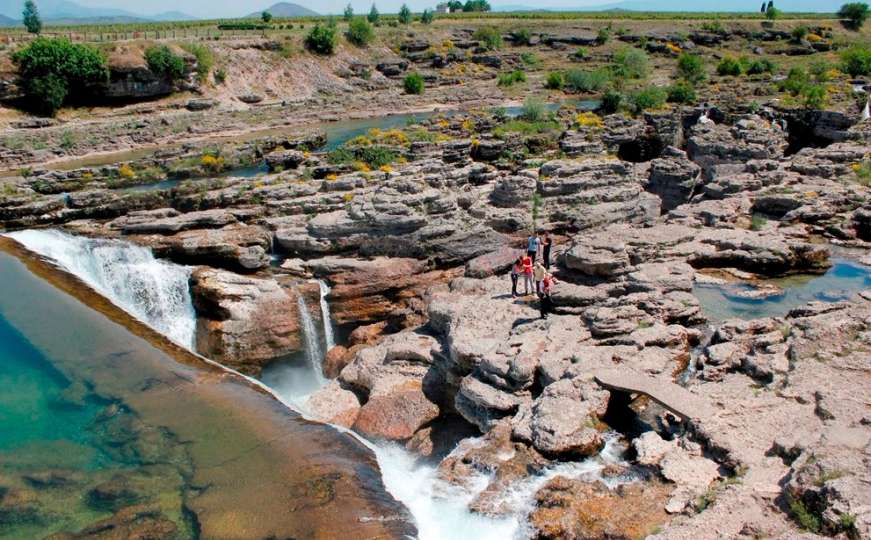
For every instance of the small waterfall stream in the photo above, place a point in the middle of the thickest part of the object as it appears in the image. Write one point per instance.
(157, 293)
(329, 337)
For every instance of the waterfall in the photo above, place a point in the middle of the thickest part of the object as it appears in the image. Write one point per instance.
(329, 338)
(155, 292)
(866, 113)
(312, 341)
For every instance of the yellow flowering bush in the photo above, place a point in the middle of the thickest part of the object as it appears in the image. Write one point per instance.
(386, 169)
(589, 119)
(212, 163)
(673, 48)
(126, 171)
(332, 177)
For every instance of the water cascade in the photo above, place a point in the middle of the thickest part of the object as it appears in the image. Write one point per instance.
(329, 338)
(157, 293)
(312, 340)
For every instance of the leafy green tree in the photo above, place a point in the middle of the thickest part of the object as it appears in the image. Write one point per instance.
(322, 39)
(427, 16)
(772, 13)
(404, 14)
(856, 61)
(374, 16)
(32, 21)
(51, 70)
(349, 13)
(266, 17)
(476, 6)
(360, 32)
(455, 5)
(855, 14)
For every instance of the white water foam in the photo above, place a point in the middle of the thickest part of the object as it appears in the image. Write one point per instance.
(440, 510)
(329, 338)
(155, 292)
(312, 341)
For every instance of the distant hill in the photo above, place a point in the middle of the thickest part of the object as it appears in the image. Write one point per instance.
(7, 21)
(286, 9)
(810, 6)
(67, 12)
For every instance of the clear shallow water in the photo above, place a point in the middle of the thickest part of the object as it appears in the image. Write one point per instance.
(440, 510)
(843, 280)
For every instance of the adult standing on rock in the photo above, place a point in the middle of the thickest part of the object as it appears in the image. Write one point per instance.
(516, 270)
(532, 245)
(546, 244)
(527, 273)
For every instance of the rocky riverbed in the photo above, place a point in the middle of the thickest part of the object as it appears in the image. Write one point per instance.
(412, 230)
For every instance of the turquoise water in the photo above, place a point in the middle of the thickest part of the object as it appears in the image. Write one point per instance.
(843, 280)
(37, 404)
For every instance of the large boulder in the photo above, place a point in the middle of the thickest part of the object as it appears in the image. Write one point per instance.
(242, 321)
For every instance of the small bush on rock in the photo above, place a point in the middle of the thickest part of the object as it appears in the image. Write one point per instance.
(856, 61)
(554, 81)
(681, 92)
(644, 99)
(413, 83)
(490, 37)
(729, 66)
(510, 78)
(360, 32)
(164, 63)
(577, 80)
(321, 39)
(691, 68)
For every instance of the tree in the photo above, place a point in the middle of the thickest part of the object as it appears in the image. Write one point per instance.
(855, 14)
(772, 13)
(51, 70)
(762, 9)
(455, 5)
(476, 6)
(374, 16)
(404, 14)
(770, 5)
(266, 17)
(427, 16)
(322, 39)
(349, 13)
(32, 21)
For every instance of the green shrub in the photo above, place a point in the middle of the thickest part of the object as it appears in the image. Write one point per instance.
(691, 68)
(729, 66)
(806, 519)
(820, 70)
(220, 76)
(651, 97)
(476, 6)
(533, 110)
(164, 63)
(205, 59)
(681, 92)
(490, 37)
(856, 60)
(413, 83)
(578, 80)
(581, 54)
(772, 13)
(348, 13)
(799, 33)
(714, 27)
(815, 96)
(630, 63)
(554, 81)
(612, 100)
(404, 15)
(795, 81)
(757, 66)
(529, 59)
(51, 70)
(360, 32)
(603, 35)
(521, 37)
(321, 39)
(427, 16)
(855, 14)
(374, 17)
(512, 77)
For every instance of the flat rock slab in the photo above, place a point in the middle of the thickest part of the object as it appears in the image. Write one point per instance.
(675, 398)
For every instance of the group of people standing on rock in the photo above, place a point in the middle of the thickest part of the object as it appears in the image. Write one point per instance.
(534, 272)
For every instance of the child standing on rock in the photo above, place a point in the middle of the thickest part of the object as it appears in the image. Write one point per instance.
(532, 245)
(539, 272)
(545, 304)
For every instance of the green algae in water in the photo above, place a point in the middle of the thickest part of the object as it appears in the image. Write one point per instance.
(843, 280)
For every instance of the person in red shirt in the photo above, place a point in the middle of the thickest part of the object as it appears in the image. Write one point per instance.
(528, 284)
(516, 272)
